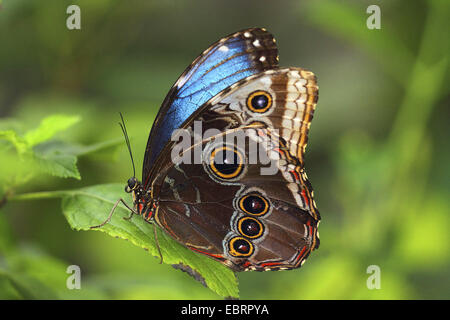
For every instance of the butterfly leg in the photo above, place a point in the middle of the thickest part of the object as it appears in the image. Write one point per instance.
(129, 217)
(157, 243)
(112, 211)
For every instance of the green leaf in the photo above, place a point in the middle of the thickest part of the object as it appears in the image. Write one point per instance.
(49, 127)
(90, 206)
(58, 164)
(38, 154)
(59, 158)
(104, 150)
(19, 143)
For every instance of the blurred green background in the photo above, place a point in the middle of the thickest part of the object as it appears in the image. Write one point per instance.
(377, 156)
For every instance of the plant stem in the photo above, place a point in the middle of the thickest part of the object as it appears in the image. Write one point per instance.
(38, 195)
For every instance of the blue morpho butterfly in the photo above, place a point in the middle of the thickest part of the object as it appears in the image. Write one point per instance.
(225, 205)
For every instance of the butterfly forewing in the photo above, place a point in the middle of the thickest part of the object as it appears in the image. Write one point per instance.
(227, 61)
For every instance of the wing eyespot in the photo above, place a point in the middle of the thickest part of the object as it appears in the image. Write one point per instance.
(254, 204)
(240, 247)
(250, 227)
(259, 101)
(226, 162)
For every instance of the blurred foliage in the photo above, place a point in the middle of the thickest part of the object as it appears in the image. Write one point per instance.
(378, 150)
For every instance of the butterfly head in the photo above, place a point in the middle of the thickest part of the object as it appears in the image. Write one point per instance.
(142, 201)
(135, 188)
(132, 185)
(141, 197)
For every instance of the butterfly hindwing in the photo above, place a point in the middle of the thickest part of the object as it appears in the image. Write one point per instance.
(250, 215)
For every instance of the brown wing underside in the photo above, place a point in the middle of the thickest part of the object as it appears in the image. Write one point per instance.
(204, 210)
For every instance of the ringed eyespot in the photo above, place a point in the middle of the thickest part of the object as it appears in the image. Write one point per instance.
(254, 204)
(250, 227)
(226, 162)
(259, 101)
(240, 247)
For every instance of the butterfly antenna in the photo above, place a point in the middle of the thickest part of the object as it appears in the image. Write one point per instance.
(127, 141)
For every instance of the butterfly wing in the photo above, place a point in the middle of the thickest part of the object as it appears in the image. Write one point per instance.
(237, 214)
(227, 61)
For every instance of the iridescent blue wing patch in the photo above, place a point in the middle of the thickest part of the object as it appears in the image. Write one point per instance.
(227, 61)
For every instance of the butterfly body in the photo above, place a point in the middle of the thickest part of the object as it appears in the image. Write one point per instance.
(238, 193)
